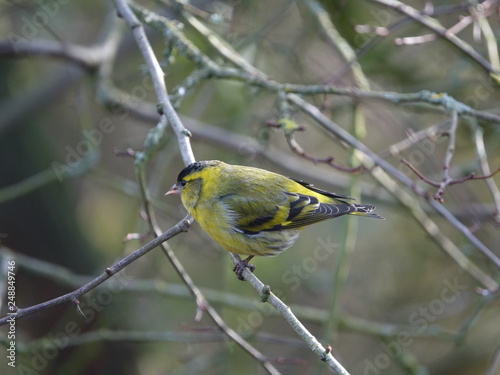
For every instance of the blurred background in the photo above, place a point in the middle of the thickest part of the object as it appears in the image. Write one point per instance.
(384, 294)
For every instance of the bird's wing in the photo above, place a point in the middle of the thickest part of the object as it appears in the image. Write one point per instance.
(292, 212)
(252, 215)
(272, 203)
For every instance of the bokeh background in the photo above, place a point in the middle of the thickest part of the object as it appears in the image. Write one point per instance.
(383, 294)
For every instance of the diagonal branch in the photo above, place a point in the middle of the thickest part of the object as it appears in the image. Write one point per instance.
(73, 296)
(268, 296)
(165, 107)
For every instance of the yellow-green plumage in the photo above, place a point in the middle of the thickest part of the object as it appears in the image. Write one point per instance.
(252, 211)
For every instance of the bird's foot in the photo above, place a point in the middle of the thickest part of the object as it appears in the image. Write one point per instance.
(240, 267)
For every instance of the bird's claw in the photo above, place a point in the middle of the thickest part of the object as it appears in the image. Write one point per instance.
(240, 267)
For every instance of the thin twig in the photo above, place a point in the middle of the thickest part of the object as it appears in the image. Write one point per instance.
(329, 160)
(289, 130)
(450, 181)
(74, 295)
(419, 174)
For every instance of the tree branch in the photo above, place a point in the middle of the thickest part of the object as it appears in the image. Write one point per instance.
(164, 105)
(180, 227)
(268, 296)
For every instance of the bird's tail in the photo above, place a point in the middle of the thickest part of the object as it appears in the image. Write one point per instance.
(364, 210)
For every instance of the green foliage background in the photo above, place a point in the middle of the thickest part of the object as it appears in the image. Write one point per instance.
(397, 313)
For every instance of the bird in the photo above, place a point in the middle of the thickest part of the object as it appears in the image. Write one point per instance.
(255, 212)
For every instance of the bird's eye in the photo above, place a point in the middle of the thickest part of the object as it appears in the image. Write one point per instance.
(183, 182)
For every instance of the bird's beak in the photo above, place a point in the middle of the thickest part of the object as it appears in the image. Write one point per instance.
(173, 190)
